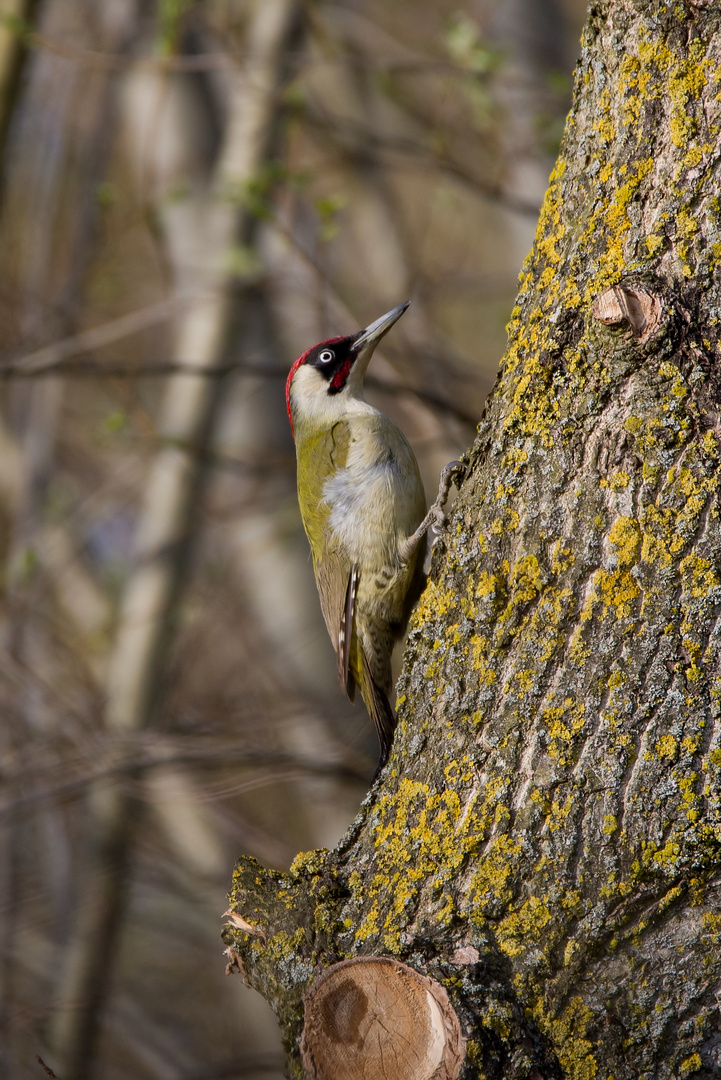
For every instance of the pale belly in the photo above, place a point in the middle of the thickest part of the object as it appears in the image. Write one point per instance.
(372, 508)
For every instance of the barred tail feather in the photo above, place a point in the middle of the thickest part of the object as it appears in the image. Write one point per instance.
(345, 634)
(380, 711)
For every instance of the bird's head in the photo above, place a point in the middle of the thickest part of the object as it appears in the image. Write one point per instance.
(323, 376)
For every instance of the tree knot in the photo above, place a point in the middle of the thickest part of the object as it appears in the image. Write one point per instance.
(636, 305)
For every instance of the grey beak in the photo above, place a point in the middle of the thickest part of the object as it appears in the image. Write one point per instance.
(373, 333)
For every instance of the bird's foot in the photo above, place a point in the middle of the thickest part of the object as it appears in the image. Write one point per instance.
(436, 516)
(437, 512)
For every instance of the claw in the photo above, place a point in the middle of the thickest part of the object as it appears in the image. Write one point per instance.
(435, 516)
(452, 469)
(437, 511)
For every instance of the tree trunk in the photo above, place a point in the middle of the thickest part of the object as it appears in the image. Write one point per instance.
(545, 841)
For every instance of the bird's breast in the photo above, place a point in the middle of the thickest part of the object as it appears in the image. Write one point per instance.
(374, 500)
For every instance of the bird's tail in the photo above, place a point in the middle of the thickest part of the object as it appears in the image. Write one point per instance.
(379, 709)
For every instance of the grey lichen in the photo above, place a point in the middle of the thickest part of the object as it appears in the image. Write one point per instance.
(553, 800)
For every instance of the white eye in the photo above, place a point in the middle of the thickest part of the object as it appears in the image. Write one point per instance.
(326, 356)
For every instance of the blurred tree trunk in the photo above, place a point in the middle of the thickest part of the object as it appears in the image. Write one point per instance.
(48, 193)
(202, 232)
(546, 838)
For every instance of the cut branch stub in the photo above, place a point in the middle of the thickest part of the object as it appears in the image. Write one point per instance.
(632, 304)
(374, 1017)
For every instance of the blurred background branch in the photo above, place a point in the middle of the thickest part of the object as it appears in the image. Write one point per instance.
(190, 194)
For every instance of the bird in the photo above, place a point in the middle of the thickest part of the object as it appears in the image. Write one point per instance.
(363, 507)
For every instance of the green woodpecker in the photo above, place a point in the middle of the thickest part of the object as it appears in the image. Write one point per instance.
(364, 511)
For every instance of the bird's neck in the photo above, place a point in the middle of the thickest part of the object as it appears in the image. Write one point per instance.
(321, 412)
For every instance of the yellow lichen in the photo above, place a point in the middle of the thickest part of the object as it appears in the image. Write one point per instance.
(491, 876)
(563, 722)
(626, 536)
(522, 928)
(691, 1065)
(667, 747)
(566, 1033)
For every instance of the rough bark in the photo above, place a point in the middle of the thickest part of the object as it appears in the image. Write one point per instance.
(546, 839)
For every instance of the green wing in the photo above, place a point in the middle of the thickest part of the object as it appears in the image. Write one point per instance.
(319, 456)
(337, 584)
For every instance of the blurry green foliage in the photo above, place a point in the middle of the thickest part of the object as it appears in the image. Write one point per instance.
(114, 422)
(467, 48)
(16, 25)
(244, 263)
(472, 54)
(106, 193)
(328, 208)
(170, 19)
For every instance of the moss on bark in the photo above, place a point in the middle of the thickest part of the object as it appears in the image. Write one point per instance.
(552, 805)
